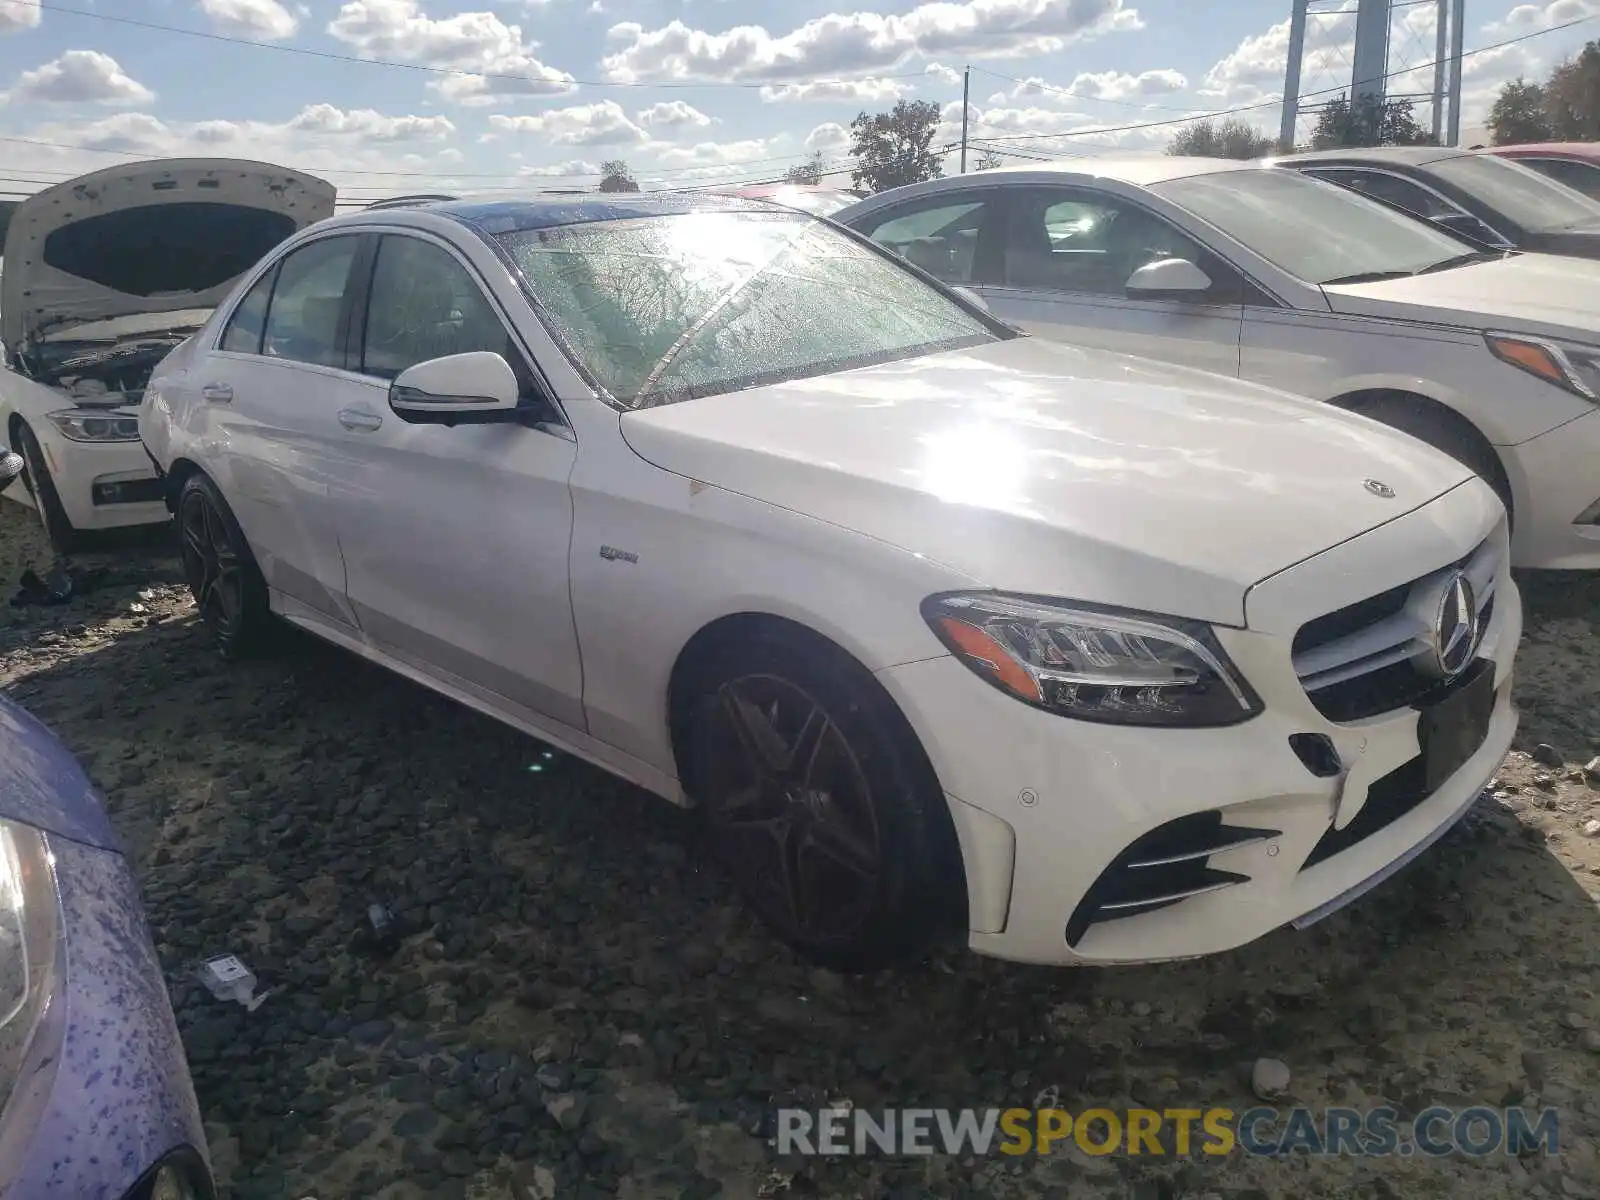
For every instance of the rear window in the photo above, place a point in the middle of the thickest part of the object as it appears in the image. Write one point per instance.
(157, 250)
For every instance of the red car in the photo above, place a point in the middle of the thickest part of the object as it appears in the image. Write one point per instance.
(1576, 164)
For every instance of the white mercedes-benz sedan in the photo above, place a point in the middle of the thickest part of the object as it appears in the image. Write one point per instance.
(106, 273)
(946, 630)
(1268, 275)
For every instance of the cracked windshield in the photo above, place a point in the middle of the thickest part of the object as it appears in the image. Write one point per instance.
(903, 600)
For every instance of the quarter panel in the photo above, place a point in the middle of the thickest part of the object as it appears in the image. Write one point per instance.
(1328, 355)
(679, 554)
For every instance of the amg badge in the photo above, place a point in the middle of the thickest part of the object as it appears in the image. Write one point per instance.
(612, 554)
(1378, 488)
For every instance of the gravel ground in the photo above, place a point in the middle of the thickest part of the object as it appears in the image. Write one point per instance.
(581, 1007)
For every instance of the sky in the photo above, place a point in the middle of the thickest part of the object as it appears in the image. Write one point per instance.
(384, 97)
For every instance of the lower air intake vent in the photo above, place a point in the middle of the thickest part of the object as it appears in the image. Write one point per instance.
(1168, 865)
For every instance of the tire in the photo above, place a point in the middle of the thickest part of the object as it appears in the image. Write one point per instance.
(222, 573)
(64, 537)
(1456, 437)
(807, 774)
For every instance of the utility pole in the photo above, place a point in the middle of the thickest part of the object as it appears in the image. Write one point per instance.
(966, 83)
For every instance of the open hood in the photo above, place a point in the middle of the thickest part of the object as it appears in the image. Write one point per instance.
(153, 237)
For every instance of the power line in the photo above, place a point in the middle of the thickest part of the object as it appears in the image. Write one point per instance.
(1228, 112)
(563, 80)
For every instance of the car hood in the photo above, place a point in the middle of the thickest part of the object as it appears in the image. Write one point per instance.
(42, 785)
(1532, 293)
(152, 237)
(1034, 466)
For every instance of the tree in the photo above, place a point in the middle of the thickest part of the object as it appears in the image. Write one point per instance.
(1232, 138)
(1572, 97)
(808, 172)
(1367, 123)
(895, 148)
(1518, 114)
(988, 160)
(615, 177)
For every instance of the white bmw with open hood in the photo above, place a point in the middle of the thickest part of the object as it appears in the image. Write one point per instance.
(947, 631)
(104, 275)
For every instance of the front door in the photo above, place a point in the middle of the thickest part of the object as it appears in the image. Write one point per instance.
(1068, 254)
(455, 540)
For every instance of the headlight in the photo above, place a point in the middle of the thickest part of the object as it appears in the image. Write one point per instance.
(1568, 365)
(29, 927)
(86, 425)
(1116, 667)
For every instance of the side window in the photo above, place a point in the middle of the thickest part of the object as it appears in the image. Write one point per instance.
(424, 304)
(1088, 243)
(243, 334)
(952, 238)
(303, 320)
(1392, 189)
(1584, 177)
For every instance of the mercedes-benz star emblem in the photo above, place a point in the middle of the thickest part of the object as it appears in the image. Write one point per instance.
(1378, 488)
(1455, 627)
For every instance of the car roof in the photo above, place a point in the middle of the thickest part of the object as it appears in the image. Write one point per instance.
(1139, 170)
(546, 212)
(1403, 156)
(1587, 151)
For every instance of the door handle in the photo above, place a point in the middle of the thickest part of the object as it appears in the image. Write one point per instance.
(217, 393)
(359, 418)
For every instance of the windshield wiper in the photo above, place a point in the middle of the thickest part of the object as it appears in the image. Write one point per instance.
(1369, 277)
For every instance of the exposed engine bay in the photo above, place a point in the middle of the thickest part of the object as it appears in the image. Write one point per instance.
(104, 376)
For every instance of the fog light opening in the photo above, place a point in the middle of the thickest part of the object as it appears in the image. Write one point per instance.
(1316, 751)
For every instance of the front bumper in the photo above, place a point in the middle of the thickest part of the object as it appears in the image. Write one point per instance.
(105, 1094)
(1044, 805)
(1555, 483)
(102, 485)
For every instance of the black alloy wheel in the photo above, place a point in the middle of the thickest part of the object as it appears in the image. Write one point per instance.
(219, 568)
(794, 817)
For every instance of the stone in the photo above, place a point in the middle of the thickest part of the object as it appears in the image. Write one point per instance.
(1269, 1078)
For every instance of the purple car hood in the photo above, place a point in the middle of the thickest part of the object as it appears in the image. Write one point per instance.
(42, 785)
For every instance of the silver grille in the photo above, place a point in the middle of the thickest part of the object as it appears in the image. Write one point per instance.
(1370, 647)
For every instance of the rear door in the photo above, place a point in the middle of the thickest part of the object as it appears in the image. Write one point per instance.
(271, 389)
(1067, 256)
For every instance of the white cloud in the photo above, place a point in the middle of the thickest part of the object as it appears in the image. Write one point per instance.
(830, 137)
(370, 125)
(572, 168)
(1526, 18)
(79, 77)
(15, 17)
(853, 42)
(866, 91)
(1112, 85)
(945, 75)
(266, 20)
(1254, 69)
(602, 124)
(672, 114)
(711, 158)
(499, 61)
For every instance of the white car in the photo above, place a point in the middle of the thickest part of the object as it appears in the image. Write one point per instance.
(105, 274)
(1273, 277)
(947, 630)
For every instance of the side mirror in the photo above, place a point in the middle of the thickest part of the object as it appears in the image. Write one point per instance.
(1168, 279)
(973, 298)
(11, 468)
(478, 386)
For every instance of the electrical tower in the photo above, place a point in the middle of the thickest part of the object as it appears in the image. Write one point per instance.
(1380, 70)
